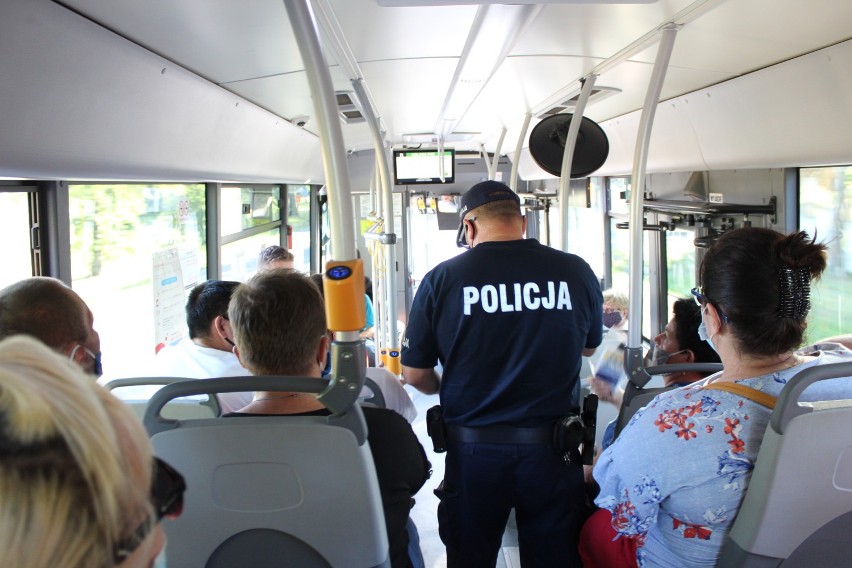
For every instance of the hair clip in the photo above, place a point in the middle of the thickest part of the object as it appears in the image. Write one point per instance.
(795, 292)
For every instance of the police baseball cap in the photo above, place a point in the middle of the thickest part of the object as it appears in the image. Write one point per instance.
(477, 196)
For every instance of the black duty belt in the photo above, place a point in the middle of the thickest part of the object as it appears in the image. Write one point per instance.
(500, 434)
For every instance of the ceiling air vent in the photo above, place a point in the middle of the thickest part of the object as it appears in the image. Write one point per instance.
(598, 93)
(346, 107)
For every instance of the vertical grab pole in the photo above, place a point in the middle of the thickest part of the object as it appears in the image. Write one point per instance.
(568, 156)
(388, 237)
(513, 177)
(492, 167)
(344, 276)
(633, 356)
(330, 134)
(394, 365)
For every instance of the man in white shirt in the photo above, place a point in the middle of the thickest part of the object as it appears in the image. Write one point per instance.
(208, 351)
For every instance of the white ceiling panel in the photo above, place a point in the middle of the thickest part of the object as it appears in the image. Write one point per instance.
(408, 55)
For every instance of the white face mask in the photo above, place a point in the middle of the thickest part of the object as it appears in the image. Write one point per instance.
(657, 356)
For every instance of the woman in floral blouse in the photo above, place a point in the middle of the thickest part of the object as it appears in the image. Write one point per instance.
(673, 481)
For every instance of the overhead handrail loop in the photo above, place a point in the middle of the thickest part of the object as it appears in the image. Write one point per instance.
(633, 353)
(347, 296)
(568, 156)
(341, 226)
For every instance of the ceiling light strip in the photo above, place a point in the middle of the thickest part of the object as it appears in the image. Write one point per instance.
(493, 34)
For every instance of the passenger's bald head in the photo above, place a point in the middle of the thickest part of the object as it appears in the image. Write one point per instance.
(47, 309)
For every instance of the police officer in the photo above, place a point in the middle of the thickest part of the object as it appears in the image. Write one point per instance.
(508, 320)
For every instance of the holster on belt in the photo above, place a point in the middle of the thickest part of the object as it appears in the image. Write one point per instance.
(436, 429)
(576, 430)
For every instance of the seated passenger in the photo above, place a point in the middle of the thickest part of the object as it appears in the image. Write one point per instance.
(275, 257)
(208, 353)
(673, 482)
(678, 343)
(280, 328)
(53, 313)
(396, 398)
(78, 484)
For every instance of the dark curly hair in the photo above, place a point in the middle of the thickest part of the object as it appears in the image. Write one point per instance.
(742, 274)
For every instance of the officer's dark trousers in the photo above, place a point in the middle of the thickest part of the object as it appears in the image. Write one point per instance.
(482, 483)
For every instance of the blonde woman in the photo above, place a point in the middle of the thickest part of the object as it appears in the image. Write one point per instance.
(79, 486)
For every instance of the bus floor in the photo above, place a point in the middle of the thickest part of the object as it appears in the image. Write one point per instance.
(425, 511)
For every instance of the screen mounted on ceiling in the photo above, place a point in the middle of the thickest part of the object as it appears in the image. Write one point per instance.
(411, 167)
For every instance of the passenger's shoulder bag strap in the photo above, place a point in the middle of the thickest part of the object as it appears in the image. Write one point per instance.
(757, 396)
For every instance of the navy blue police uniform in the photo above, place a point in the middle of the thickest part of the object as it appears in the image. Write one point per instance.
(508, 320)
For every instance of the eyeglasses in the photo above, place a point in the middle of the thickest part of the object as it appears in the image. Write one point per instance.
(167, 488)
(702, 300)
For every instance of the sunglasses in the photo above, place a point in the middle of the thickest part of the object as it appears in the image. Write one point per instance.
(702, 300)
(167, 488)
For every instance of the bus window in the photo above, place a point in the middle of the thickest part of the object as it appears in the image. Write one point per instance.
(585, 219)
(250, 220)
(240, 257)
(15, 236)
(825, 210)
(680, 264)
(117, 231)
(620, 271)
(299, 218)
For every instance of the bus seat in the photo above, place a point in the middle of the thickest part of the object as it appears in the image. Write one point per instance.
(137, 391)
(797, 511)
(636, 395)
(634, 399)
(270, 490)
(374, 392)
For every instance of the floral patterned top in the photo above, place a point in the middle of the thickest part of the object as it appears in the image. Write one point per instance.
(676, 475)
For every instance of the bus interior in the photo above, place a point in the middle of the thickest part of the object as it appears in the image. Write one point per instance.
(148, 146)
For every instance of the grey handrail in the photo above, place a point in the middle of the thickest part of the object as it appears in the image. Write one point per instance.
(788, 407)
(155, 423)
(142, 381)
(378, 398)
(352, 419)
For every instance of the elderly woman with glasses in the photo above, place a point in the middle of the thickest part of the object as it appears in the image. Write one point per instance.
(78, 484)
(673, 481)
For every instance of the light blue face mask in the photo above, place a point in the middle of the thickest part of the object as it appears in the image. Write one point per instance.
(702, 332)
(160, 560)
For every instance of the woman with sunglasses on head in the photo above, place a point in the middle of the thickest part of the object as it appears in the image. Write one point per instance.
(673, 481)
(78, 484)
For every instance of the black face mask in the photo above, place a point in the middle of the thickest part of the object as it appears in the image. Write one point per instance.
(461, 237)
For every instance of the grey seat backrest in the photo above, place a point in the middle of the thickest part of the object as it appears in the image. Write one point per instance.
(137, 391)
(636, 395)
(797, 511)
(267, 491)
(634, 399)
(376, 398)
